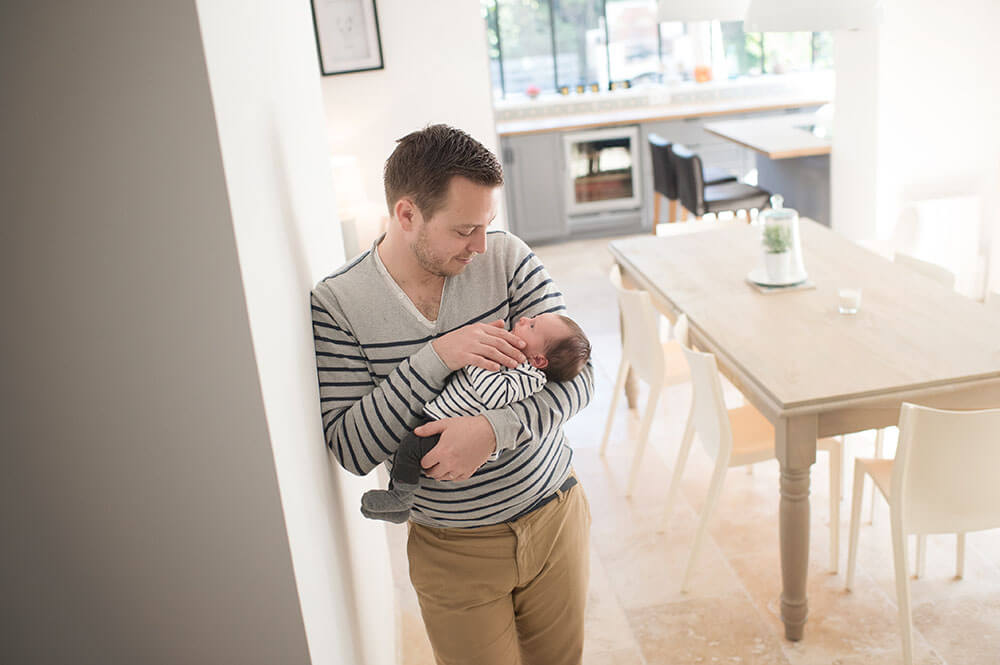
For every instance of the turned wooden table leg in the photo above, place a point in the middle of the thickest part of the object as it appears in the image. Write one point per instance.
(795, 440)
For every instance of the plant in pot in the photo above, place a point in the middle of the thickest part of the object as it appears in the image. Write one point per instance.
(777, 244)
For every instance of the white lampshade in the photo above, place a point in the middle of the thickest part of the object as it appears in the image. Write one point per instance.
(811, 15)
(702, 10)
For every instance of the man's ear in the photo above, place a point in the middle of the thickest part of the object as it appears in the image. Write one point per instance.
(406, 212)
(539, 361)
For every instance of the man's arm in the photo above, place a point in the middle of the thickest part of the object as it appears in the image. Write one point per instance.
(363, 423)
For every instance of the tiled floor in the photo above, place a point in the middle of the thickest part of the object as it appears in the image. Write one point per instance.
(636, 613)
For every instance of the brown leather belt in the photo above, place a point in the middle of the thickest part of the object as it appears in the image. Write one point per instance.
(565, 487)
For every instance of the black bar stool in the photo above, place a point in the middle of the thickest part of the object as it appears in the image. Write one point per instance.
(700, 197)
(665, 179)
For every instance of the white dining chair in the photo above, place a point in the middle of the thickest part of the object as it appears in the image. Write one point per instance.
(944, 277)
(655, 360)
(942, 480)
(993, 300)
(733, 437)
(938, 273)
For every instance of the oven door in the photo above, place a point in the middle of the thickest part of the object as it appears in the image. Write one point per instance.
(602, 170)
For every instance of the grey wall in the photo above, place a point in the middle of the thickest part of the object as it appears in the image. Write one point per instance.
(139, 510)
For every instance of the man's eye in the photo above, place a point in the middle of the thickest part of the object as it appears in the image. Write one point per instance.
(465, 234)
(532, 325)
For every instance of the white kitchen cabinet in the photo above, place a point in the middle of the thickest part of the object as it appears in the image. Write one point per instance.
(533, 184)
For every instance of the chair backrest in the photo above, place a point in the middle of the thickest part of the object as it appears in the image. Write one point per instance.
(640, 331)
(664, 179)
(939, 274)
(708, 408)
(946, 466)
(690, 179)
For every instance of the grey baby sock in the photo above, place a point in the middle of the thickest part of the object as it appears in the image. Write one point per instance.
(392, 505)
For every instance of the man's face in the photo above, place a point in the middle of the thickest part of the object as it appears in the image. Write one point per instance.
(445, 244)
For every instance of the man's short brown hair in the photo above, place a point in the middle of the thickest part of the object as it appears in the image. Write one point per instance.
(424, 162)
(568, 355)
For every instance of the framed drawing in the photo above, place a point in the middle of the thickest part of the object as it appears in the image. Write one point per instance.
(347, 36)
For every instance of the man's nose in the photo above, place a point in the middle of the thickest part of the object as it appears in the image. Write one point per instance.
(478, 244)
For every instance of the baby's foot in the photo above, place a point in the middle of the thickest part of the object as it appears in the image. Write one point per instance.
(395, 518)
(384, 501)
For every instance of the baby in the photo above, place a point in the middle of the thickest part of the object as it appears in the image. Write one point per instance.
(556, 350)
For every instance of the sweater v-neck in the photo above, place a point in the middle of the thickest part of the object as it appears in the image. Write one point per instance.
(401, 294)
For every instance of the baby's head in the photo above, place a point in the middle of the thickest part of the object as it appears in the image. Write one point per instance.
(554, 344)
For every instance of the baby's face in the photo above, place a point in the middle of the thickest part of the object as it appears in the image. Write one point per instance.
(538, 332)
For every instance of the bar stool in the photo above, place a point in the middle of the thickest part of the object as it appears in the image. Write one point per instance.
(665, 180)
(700, 197)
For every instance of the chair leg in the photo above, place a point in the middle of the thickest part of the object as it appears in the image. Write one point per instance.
(656, 210)
(921, 556)
(714, 492)
(879, 442)
(682, 455)
(960, 555)
(902, 584)
(852, 542)
(619, 388)
(647, 421)
(836, 463)
(672, 210)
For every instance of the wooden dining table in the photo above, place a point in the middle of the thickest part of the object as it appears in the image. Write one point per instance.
(811, 371)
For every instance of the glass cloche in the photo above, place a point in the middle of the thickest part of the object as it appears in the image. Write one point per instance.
(780, 245)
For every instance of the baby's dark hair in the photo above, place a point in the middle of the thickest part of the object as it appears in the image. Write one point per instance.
(568, 355)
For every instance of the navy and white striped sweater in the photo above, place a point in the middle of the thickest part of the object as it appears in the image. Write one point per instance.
(377, 370)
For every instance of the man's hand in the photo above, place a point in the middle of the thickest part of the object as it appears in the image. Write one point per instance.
(486, 345)
(466, 443)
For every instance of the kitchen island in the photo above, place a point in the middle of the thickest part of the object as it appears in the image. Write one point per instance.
(792, 152)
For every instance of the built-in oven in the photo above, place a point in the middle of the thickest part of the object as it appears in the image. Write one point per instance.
(602, 171)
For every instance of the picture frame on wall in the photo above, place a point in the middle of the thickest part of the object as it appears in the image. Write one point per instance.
(347, 36)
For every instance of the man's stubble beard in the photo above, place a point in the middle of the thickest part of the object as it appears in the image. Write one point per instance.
(427, 259)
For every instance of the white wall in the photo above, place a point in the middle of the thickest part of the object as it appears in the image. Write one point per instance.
(165, 496)
(436, 70)
(935, 76)
(266, 90)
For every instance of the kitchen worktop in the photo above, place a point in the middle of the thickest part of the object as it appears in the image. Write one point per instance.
(778, 137)
(635, 115)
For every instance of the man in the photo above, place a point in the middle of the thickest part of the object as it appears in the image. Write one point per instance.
(498, 537)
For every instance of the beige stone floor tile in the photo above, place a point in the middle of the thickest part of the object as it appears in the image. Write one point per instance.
(607, 628)
(618, 657)
(840, 622)
(704, 631)
(963, 629)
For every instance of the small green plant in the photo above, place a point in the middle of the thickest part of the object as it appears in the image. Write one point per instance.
(777, 239)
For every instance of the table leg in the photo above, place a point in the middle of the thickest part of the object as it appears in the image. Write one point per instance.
(795, 442)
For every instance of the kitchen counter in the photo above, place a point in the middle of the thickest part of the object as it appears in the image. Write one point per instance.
(636, 115)
(781, 137)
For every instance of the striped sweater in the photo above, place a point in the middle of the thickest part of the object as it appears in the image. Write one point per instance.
(377, 370)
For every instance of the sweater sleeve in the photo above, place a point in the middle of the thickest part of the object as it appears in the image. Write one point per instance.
(363, 422)
(495, 390)
(531, 291)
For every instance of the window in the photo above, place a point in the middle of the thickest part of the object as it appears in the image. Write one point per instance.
(550, 44)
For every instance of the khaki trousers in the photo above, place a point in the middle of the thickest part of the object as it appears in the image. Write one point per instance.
(506, 594)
